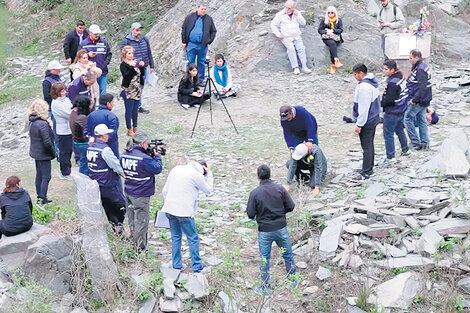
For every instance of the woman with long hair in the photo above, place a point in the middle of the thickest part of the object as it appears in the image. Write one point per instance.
(223, 78)
(16, 207)
(330, 29)
(189, 93)
(132, 82)
(80, 142)
(41, 147)
(81, 66)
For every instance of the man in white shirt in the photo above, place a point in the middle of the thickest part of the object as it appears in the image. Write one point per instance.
(286, 26)
(180, 205)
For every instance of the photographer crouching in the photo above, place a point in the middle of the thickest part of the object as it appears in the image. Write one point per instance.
(141, 162)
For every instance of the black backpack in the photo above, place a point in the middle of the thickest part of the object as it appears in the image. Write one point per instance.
(394, 11)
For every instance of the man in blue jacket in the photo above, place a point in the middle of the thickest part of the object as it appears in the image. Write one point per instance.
(81, 86)
(104, 116)
(98, 52)
(52, 76)
(142, 52)
(140, 168)
(105, 169)
(198, 31)
(298, 126)
(419, 98)
(366, 112)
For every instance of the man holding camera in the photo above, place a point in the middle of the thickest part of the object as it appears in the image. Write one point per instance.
(180, 205)
(140, 167)
(198, 31)
(105, 169)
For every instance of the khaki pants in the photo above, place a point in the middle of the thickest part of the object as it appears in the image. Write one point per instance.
(138, 219)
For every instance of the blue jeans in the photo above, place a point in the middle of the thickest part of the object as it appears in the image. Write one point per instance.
(103, 83)
(186, 225)
(265, 240)
(80, 153)
(417, 113)
(394, 124)
(193, 50)
(132, 111)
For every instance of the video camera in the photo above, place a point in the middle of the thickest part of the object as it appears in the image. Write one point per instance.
(156, 145)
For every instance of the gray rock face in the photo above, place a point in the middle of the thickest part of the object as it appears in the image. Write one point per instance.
(397, 292)
(99, 260)
(429, 240)
(49, 261)
(329, 240)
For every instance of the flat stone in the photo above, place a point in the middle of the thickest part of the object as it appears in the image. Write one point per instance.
(148, 305)
(355, 229)
(355, 262)
(301, 265)
(169, 288)
(398, 292)
(197, 286)
(411, 260)
(406, 211)
(465, 81)
(310, 290)
(323, 273)
(213, 261)
(174, 305)
(415, 196)
(394, 251)
(306, 249)
(449, 226)
(461, 211)
(412, 222)
(170, 273)
(464, 284)
(329, 240)
(355, 309)
(398, 220)
(449, 86)
(429, 241)
(380, 230)
(263, 33)
(409, 246)
(374, 190)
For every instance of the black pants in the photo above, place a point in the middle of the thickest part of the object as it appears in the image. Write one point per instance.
(65, 154)
(198, 100)
(333, 46)
(114, 203)
(367, 143)
(6, 232)
(43, 177)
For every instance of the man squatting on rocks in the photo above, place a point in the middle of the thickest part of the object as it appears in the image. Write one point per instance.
(268, 204)
(142, 52)
(198, 31)
(180, 205)
(419, 98)
(140, 168)
(286, 26)
(105, 169)
(313, 162)
(366, 111)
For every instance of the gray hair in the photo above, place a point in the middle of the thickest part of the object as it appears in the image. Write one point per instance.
(90, 75)
(202, 3)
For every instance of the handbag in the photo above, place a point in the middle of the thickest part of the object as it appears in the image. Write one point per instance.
(335, 37)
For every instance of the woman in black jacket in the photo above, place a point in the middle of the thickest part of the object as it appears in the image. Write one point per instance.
(41, 148)
(330, 29)
(188, 91)
(132, 81)
(16, 207)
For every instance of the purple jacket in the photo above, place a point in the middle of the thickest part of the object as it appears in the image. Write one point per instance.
(78, 88)
(140, 170)
(103, 52)
(419, 85)
(99, 169)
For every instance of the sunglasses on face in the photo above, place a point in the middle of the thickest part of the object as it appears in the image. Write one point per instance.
(331, 12)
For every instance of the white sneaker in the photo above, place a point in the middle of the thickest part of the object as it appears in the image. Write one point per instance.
(306, 70)
(296, 71)
(205, 270)
(185, 106)
(66, 177)
(197, 106)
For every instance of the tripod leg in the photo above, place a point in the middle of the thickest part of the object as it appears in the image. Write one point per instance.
(223, 103)
(195, 121)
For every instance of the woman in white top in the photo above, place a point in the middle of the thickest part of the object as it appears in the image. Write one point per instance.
(61, 108)
(222, 77)
(81, 66)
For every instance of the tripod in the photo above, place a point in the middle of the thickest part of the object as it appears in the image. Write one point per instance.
(210, 83)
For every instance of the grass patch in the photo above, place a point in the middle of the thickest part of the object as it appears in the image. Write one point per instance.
(4, 19)
(21, 89)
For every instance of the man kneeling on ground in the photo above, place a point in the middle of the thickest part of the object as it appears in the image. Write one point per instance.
(313, 162)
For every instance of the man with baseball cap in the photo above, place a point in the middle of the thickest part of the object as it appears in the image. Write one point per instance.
(140, 167)
(309, 166)
(142, 52)
(52, 76)
(99, 52)
(105, 169)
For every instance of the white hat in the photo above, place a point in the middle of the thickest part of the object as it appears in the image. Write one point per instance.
(95, 29)
(102, 129)
(300, 151)
(136, 25)
(54, 65)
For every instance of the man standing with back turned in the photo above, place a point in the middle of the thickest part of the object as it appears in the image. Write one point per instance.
(198, 31)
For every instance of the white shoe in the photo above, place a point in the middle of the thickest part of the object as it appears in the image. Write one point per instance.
(306, 70)
(197, 106)
(296, 71)
(66, 177)
(185, 106)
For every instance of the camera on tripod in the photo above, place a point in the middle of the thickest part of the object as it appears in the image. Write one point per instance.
(156, 145)
(208, 60)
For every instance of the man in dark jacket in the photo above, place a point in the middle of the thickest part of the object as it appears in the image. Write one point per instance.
(105, 169)
(298, 126)
(98, 52)
(419, 98)
(394, 105)
(104, 116)
(82, 87)
(140, 169)
(52, 76)
(198, 31)
(142, 52)
(268, 204)
(72, 41)
(366, 111)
